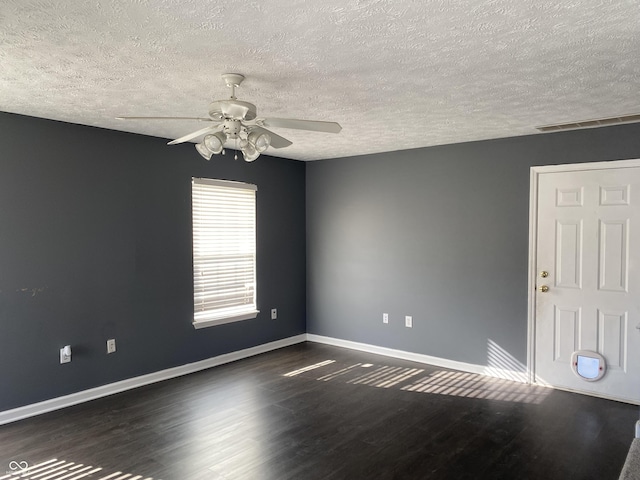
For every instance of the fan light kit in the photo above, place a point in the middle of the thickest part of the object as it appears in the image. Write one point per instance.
(236, 121)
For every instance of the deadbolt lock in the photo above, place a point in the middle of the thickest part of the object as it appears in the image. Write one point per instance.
(544, 289)
(544, 274)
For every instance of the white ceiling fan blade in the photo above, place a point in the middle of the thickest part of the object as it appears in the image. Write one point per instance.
(200, 119)
(276, 140)
(192, 135)
(312, 125)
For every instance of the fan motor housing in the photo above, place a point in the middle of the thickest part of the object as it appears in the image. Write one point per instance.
(232, 128)
(232, 109)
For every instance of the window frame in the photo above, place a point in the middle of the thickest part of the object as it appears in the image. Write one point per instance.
(212, 319)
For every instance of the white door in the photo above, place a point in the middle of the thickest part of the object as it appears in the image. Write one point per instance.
(588, 243)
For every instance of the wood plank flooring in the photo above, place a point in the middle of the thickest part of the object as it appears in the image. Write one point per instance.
(313, 411)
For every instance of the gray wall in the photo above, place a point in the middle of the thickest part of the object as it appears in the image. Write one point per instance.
(95, 243)
(437, 233)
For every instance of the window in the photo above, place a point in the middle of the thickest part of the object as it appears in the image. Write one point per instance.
(224, 251)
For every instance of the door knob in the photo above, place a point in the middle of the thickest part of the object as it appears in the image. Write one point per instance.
(543, 288)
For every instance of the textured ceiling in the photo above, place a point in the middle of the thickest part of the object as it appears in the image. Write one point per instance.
(395, 74)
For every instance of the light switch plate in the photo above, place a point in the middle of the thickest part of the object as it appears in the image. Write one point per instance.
(65, 354)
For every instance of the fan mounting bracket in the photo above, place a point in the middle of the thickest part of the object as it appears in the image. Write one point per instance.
(233, 79)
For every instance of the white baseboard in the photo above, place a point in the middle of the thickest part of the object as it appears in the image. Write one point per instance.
(521, 377)
(20, 413)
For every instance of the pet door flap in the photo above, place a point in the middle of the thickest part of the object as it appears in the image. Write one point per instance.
(589, 366)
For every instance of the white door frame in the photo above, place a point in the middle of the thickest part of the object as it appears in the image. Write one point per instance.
(533, 235)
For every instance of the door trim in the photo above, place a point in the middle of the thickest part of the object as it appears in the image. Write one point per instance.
(535, 173)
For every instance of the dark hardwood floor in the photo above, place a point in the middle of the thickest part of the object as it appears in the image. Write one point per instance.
(353, 416)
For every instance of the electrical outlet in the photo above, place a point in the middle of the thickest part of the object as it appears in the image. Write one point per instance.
(65, 354)
(274, 313)
(385, 318)
(408, 321)
(111, 345)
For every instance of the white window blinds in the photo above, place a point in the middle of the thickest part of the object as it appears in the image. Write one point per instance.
(224, 251)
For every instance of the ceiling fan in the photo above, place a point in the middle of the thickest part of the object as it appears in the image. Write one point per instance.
(235, 120)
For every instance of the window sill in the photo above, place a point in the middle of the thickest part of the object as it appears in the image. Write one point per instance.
(221, 321)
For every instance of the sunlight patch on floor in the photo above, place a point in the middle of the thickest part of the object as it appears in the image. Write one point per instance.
(386, 377)
(55, 469)
(343, 371)
(310, 367)
(440, 382)
(471, 385)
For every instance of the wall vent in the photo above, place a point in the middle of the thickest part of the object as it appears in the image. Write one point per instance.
(600, 122)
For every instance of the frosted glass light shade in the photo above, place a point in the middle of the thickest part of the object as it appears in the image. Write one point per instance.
(204, 151)
(260, 140)
(215, 142)
(250, 153)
